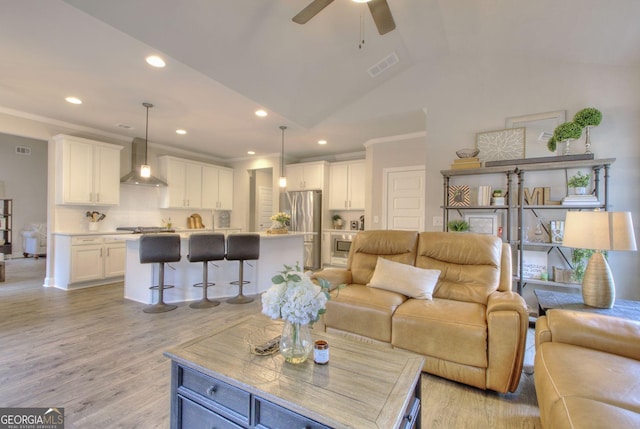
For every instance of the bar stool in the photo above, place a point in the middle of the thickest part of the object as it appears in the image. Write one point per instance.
(160, 249)
(204, 248)
(242, 247)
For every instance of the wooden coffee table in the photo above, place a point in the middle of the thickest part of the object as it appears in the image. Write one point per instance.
(217, 382)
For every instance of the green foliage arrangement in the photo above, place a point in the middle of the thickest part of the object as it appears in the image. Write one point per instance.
(588, 117)
(579, 180)
(579, 259)
(458, 225)
(552, 144)
(567, 131)
(336, 217)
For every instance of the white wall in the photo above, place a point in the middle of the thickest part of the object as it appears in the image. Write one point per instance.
(25, 178)
(463, 96)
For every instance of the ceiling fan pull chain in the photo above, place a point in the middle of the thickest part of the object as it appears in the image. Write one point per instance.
(361, 28)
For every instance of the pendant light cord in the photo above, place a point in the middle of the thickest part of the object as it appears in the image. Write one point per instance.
(282, 127)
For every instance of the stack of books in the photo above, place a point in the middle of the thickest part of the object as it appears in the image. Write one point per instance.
(473, 162)
(580, 200)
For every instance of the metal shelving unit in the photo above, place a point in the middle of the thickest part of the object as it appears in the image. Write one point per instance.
(516, 176)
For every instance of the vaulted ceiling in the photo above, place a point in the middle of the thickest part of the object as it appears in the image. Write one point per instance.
(227, 58)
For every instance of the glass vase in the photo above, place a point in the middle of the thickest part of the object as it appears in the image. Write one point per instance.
(295, 343)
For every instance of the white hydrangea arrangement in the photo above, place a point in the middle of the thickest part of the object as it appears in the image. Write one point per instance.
(294, 297)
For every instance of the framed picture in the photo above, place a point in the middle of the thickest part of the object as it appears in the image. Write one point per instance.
(534, 264)
(459, 195)
(483, 223)
(539, 128)
(501, 144)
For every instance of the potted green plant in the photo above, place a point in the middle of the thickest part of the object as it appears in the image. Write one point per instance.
(337, 221)
(587, 118)
(579, 183)
(567, 132)
(498, 198)
(552, 144)
(458, 225)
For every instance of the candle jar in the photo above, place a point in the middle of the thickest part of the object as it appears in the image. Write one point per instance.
(321, 352)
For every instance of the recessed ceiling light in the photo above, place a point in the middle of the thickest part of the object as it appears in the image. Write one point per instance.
(251, 152)
(155, 61)
(181, 132)
(322, 142)
(74, 100)
(261, 113)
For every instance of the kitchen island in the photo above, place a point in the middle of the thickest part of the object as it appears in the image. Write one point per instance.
(275, 250)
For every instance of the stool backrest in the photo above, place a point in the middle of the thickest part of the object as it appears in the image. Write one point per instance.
(159, 248)
(206, 247)
(243, 247)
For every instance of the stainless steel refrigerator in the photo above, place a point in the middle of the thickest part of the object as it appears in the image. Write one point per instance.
(306, 216)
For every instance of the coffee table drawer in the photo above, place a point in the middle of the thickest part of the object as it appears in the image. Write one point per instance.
(216, 391)
(273, 416)
(195, 416)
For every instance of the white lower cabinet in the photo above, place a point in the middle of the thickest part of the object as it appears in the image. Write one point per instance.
(89, 260)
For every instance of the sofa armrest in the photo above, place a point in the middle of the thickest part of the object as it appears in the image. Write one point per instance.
(595, 331)
(507, 323)
(335, 276)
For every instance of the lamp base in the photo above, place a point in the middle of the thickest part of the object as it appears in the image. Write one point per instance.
(598, 287)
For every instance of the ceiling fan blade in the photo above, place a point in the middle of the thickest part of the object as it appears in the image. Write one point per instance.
(311, 10)
(382, 16)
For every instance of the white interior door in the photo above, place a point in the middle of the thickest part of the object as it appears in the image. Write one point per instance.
(404, 196)
(265, 207)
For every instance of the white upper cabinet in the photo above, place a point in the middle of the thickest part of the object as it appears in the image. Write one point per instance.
(217, 185)
(346, 185)
(195, 185)
(89, 171)
(306, 176)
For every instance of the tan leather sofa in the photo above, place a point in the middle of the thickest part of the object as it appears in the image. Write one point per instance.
(473, 330)
(587, 370)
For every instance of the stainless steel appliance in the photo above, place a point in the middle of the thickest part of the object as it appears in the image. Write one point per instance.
(306, 216)
(340, 246)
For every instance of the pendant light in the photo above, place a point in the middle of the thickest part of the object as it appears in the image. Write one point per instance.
(145, 169)
(283, 179)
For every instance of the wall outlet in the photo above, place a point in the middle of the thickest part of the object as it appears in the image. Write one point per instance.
(437, 221)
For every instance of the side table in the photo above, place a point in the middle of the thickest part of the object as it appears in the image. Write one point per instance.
(547, 300)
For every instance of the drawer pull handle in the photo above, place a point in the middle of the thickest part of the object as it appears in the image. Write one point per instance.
(211, 390)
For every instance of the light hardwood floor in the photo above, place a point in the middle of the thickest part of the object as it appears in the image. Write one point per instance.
(100, 357)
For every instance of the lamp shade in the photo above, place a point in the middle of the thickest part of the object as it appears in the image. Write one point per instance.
(599, 230)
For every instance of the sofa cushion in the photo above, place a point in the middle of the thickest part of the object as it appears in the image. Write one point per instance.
(398, 246)
(469, 264)
(574, 412)
(564, 371)
(405, 279)
(451, 330)
(363, 310)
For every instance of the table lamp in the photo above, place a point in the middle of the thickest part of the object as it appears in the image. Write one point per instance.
(599, 230)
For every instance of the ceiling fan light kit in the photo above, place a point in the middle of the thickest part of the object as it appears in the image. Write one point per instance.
(379, 11)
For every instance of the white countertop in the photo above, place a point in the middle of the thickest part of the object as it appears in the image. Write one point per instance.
(185, 235)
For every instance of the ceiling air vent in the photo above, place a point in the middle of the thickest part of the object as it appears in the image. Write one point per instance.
(385, 64)
(23, 150)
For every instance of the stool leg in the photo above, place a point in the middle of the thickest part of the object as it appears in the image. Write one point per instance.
(240, 298)
(160, 306)
(205, 302)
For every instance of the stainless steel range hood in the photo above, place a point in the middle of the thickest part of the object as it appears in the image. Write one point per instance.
(138, 155)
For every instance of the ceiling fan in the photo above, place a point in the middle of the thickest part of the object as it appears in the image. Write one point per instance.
(379, 11)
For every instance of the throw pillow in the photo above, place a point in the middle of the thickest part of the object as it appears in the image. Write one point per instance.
(405, 279)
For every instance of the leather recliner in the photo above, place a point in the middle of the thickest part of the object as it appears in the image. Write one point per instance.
(474, 329)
